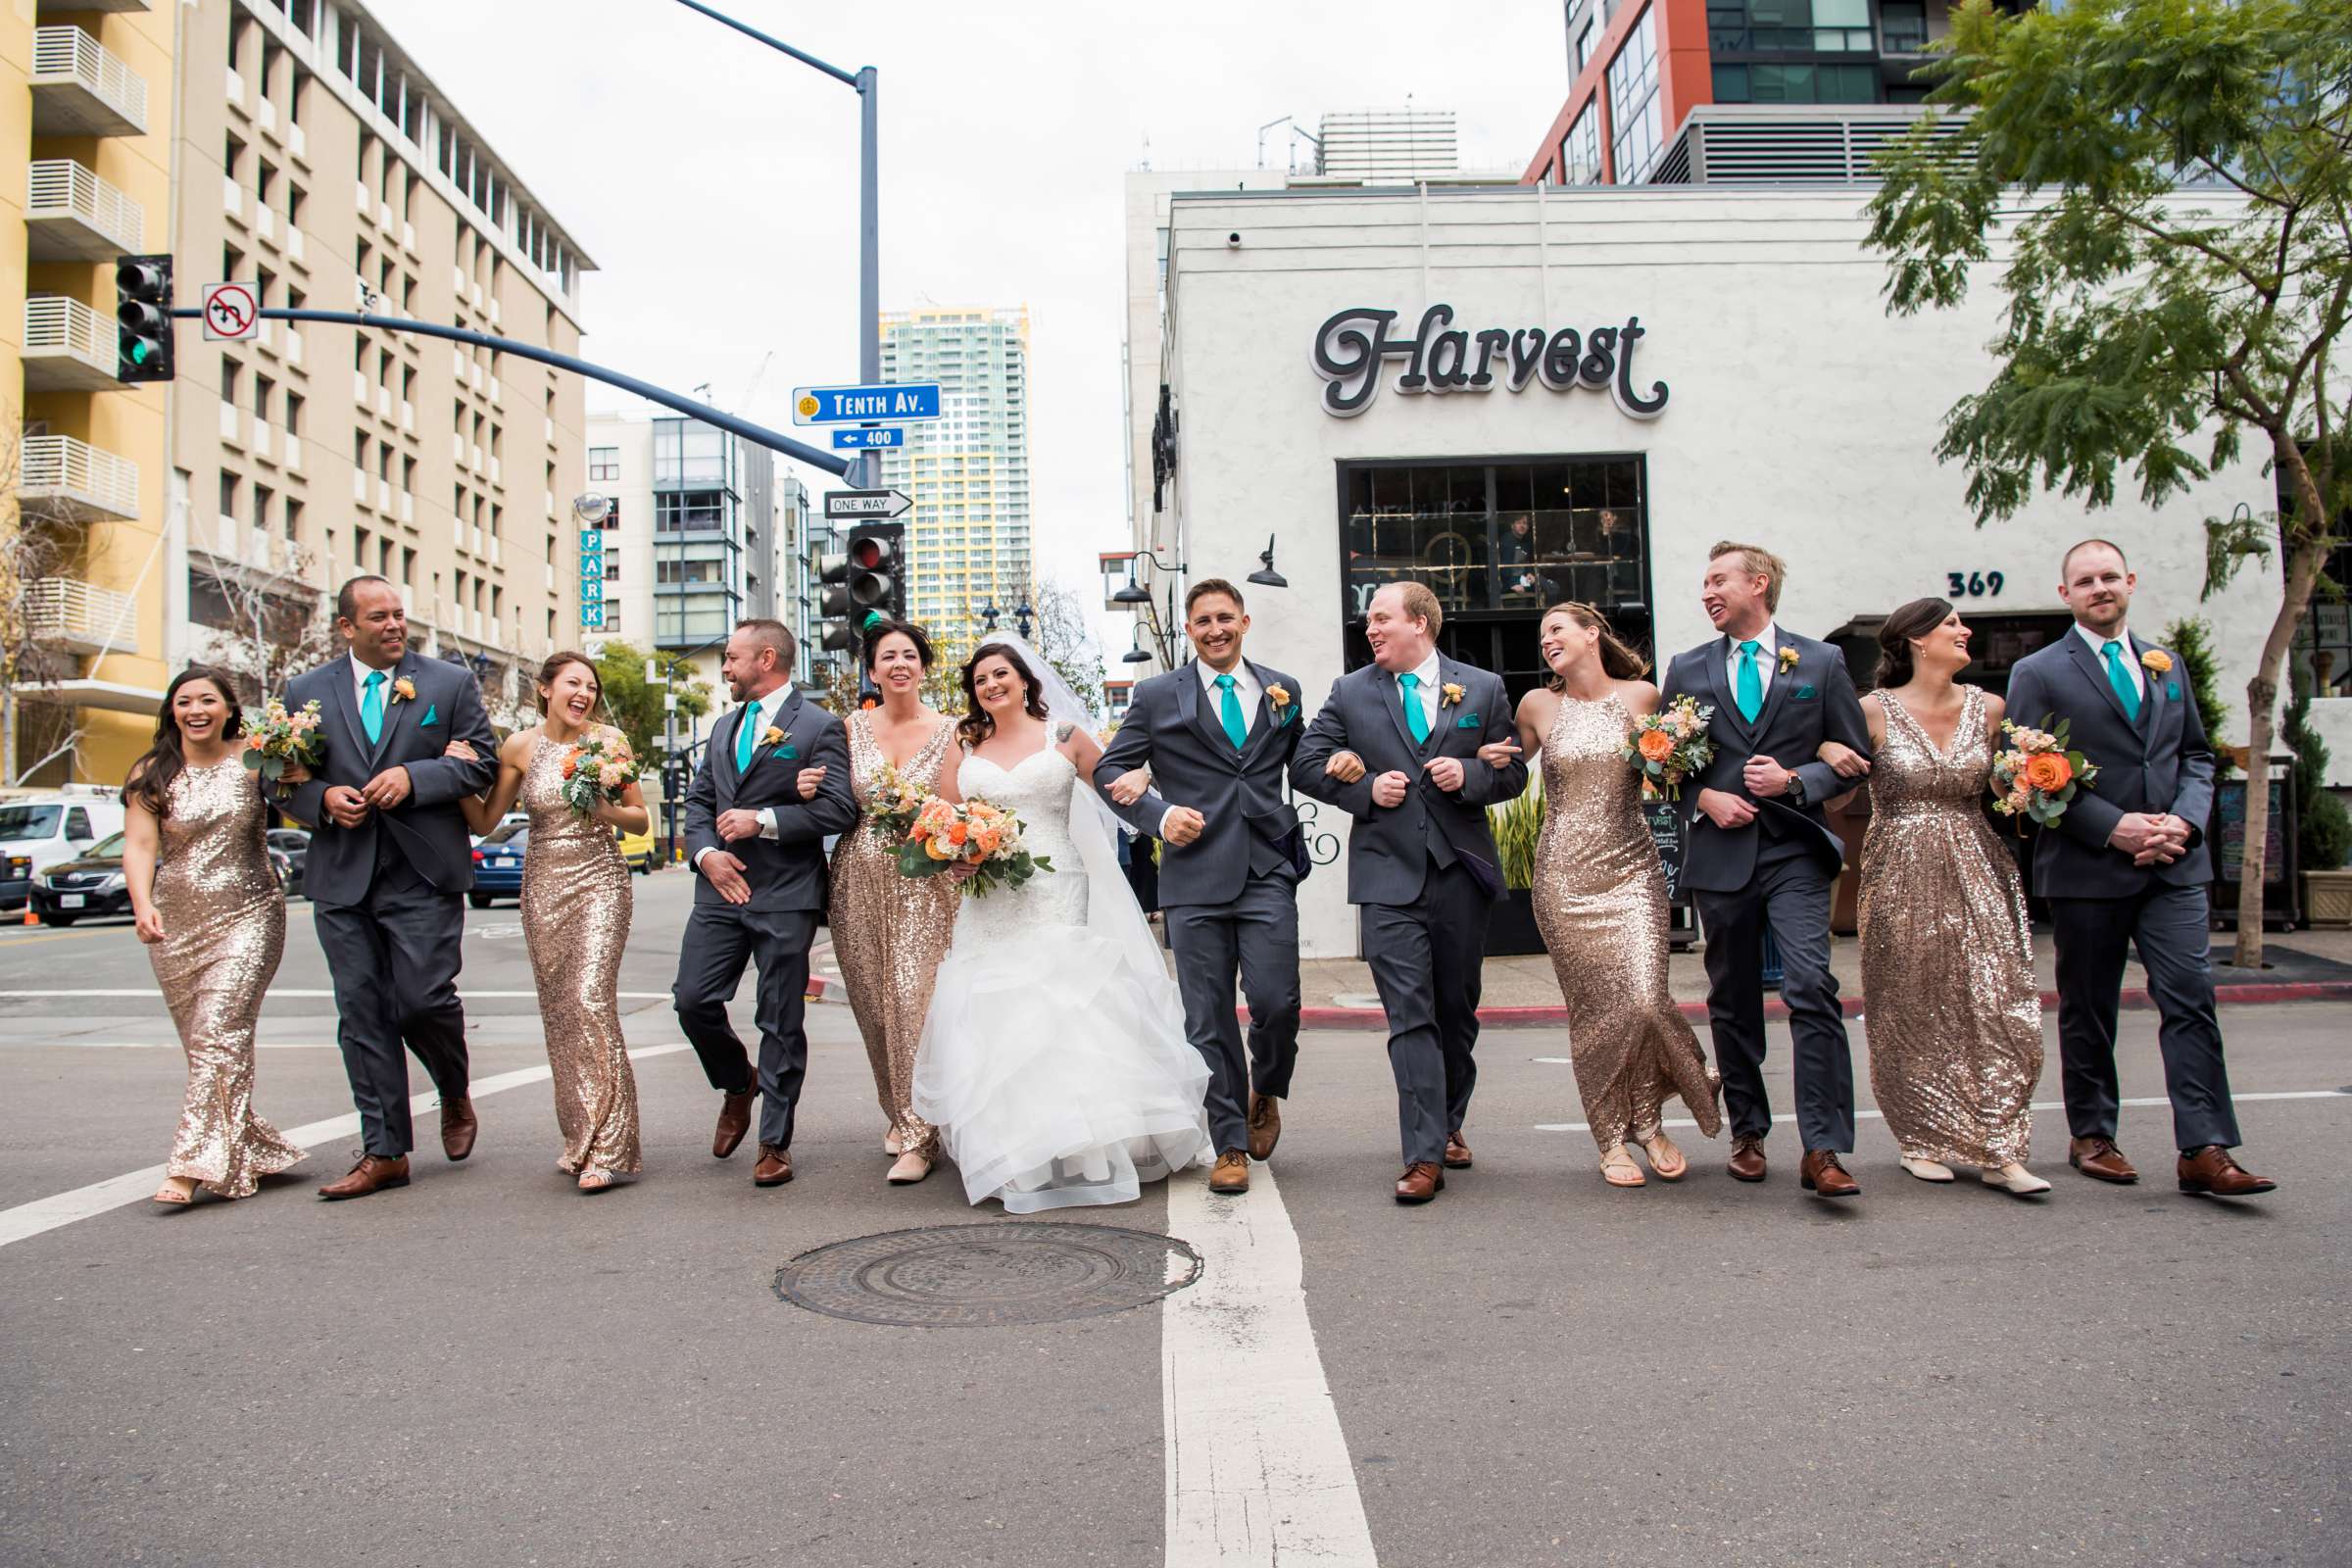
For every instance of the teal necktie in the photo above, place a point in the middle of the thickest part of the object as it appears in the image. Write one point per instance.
(747, 735)
(1416, 718)
(2120, 679)
(372, 706)
(1230, 710)
(1751, 693)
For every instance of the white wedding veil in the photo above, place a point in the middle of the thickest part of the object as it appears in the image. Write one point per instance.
(1113, 913)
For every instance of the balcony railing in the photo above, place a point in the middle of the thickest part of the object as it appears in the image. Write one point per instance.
(1789, 145)
(71, 215)
(80, 88)
(68, 346)
(70, 478)
(76, 615)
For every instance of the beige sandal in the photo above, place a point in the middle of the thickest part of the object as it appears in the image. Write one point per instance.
(171, 1197)
(1666, 1163)
(1618, 1169)
(597, 1181)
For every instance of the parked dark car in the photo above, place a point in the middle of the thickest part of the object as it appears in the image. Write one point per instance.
(88, 887)
(498, 863)
(294, 845)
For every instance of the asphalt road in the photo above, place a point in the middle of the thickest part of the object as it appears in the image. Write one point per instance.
(489, 1367)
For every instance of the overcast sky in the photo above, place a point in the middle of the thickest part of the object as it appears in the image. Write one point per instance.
(714, 182)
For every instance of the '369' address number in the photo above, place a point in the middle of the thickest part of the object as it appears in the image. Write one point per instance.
(1973, 584)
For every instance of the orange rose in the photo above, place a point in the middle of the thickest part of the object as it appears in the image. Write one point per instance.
(938, 849)
(2048, 773)
(958, 833)
(1655, 745)
(988, 840)
(571, 764)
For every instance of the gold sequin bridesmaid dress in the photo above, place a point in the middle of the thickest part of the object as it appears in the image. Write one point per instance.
(889, 934)
(1600, 902)
(576, 904)
(224, 929)
(1947, 974)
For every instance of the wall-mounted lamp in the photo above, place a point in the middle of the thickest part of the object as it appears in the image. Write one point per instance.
(1267, 575)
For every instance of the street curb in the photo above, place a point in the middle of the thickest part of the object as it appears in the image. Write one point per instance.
(2136, 999)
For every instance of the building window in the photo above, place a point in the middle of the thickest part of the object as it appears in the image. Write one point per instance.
(1763, 83)
(1635, 116)
(689, 511)
(1580, 149)
(1584, 45)
(603, 463)
(1790, 26)
(1497, 541)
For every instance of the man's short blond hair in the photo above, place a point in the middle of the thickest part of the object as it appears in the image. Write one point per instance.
(1757, 561)
(1420, 603)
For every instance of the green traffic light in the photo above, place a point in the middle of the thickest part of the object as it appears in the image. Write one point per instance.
(139, 352)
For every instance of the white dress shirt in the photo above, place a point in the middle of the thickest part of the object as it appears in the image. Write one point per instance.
(1428, 691)
(1767, 659)
(1245, 691)
(760, 713)
(2098, 651)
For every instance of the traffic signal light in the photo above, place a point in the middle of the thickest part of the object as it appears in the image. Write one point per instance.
(876, 578)
(142, 312)
(833, 572)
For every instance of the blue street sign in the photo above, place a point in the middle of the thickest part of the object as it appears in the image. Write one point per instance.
(868, 436)
(865, 405)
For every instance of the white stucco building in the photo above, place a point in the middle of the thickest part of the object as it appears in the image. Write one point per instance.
(1769, 398)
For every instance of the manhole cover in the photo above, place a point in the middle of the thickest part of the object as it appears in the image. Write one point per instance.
(978, 1276)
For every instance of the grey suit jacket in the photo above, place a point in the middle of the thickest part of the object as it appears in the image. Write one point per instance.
(1172, 726)
(1808, 703)
(787, 871)
(2160, 765)
(427, 829)
(1390, 850)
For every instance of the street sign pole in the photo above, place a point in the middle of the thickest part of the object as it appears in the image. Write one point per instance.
(869, 255)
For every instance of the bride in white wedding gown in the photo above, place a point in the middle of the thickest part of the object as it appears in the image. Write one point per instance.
(1054, 1060)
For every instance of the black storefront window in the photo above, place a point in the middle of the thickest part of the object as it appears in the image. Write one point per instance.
(1497, 541)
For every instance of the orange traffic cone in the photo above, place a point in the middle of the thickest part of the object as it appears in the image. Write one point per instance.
(30, 919)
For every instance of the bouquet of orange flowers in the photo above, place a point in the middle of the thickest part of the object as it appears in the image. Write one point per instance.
(891, 803)
(2036, 775)
(278, 740)
(1670, 745)
(597, 768)
(977, 834)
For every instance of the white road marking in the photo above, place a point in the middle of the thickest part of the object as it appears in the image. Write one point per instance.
(296, 991)
(153, 1044)
(82, 1202)
(2038, 1104)
(1259, 1470)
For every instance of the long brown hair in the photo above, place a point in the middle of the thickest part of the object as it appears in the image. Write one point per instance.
(1618, 660)
(1915, 620)
(975, 726)
(555, 667)
(150, 780)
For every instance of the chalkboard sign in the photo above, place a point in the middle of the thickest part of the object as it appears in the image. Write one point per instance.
(1666, 832)
(2229, 833)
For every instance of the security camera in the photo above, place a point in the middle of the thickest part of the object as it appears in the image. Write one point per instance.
(1234, 240)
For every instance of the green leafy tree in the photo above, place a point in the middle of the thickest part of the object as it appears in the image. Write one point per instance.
(635, 703)
(2173, 184)
(2191, 637)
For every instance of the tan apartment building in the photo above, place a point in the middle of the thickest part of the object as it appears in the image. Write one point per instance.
(317, 159)
(85, 120)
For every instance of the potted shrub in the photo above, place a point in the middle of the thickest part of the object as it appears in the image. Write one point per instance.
(1517, 824)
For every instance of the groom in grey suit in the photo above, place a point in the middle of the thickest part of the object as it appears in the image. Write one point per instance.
(1414, 747)
(2128, 864)
(1217, 735)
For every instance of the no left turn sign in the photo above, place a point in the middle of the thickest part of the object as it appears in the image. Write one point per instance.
(231, 312)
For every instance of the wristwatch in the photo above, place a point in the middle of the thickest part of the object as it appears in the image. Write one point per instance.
(1796, 790)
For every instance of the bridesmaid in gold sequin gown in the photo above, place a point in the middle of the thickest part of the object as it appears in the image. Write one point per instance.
(1601, 900)
(210, 909)
(576, 904)
(1953, 1010)
(889, 931)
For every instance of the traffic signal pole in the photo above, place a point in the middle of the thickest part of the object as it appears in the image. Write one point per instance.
(758, 434)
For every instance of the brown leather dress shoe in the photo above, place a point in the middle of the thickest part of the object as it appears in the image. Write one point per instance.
(1421, 1181)
(734, 1121)
(2210, 1170)
(373, 1174)
(774, 1169)
(1821, 1175)
(1265, 1125)
(1457, 1152)
(2098, 1156)
(458, 1127)
(1232, 1174)
(1747, 1163)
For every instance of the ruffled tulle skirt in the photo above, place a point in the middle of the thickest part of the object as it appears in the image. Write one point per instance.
(1057, 1073)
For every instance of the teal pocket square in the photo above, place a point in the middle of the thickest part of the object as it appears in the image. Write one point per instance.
(2172, 689)
(1805, 694)
(786, 752)
(1468, 722)
(431, 712)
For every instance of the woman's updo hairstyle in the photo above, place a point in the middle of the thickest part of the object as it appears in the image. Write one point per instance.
(1913, 620)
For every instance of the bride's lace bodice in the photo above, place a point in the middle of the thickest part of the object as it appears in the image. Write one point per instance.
(1037, 789)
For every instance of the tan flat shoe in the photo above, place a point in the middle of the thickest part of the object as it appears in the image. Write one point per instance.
(1666, 1163)
(890, 1142)
(1618, 1169)
(1925, 1169)
(909, 1169)
(2015, 1178)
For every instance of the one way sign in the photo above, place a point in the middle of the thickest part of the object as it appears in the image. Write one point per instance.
(866, 503)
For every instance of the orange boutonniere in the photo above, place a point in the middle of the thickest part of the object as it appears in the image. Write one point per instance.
(404, 689)
(1450, 694)
(770, 735)
(1279, 696)
(1788, 659)
(2157, 661)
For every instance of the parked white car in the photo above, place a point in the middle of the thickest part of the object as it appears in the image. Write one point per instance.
(41, 827)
